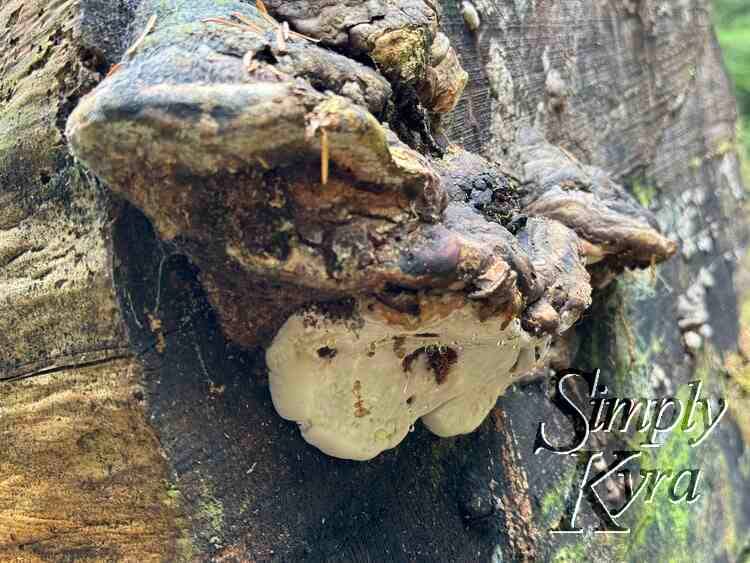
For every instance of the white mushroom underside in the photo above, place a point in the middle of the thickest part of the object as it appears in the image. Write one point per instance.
(356, 389)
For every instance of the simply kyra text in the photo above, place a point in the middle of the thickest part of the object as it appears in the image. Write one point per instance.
(654, 419)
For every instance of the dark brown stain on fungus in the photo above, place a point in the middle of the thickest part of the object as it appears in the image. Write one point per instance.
(359, 405)
(339, 310)
(440, 360)
(334, 310)
(326, 352)
(410, 358)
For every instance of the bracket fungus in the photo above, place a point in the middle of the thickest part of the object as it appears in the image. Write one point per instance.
(386, 283)
(357, 385)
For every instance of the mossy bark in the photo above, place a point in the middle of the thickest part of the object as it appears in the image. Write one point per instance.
(82, 476)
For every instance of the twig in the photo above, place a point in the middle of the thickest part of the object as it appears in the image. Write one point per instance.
(149, 28)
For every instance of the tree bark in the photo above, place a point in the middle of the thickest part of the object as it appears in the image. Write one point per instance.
(135, 416)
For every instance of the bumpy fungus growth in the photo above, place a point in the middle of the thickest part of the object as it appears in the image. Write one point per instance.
(404, 286)
(357, 385)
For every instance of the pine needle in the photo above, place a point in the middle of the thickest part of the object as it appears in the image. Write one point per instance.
(149, 28)
(248, 22)
(113, 69)
(324, 156)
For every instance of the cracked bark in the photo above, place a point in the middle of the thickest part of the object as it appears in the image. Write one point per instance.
(194, 280)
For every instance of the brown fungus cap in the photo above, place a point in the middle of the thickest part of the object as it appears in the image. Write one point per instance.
(269, 165)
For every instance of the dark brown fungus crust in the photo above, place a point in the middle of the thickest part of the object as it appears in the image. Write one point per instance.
(217, 133)
(401, 38)
(439, 360)
(610, 223)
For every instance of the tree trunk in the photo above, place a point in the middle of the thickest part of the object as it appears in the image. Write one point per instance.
(136, 421)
